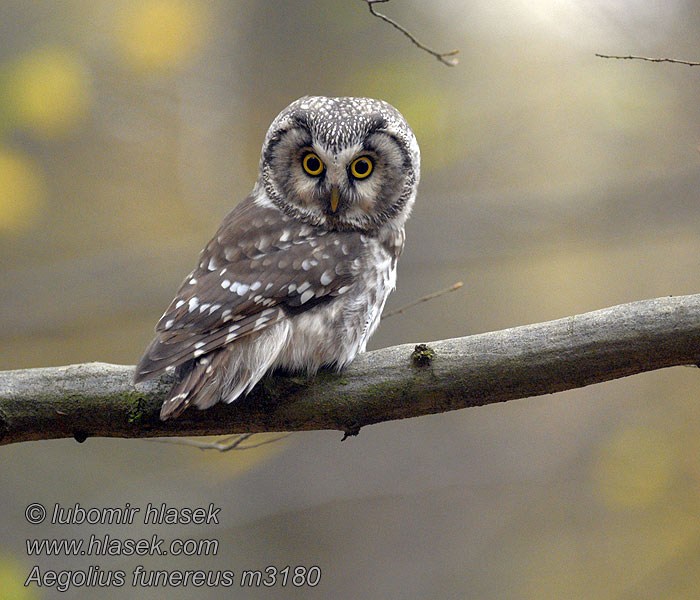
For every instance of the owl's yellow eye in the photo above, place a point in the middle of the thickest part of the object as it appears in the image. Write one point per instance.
(312, 164)
(361, 167)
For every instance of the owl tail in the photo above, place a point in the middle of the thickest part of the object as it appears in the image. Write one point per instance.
(225, 374)
(200, 384)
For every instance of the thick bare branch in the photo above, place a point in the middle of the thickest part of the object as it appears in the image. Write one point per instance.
(394, 383)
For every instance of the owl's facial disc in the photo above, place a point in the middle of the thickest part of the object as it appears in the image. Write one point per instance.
(341, 163)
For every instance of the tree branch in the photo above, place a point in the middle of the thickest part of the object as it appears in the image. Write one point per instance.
(98, 399)
(446, 58)
(676, 61)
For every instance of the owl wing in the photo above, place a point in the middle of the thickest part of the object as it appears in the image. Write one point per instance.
(259, 268)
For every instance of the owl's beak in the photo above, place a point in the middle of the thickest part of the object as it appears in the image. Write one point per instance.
(335, 197)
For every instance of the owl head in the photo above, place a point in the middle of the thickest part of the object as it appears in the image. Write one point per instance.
(350, 164)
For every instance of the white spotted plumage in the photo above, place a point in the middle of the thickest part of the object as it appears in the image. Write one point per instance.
(297, 275)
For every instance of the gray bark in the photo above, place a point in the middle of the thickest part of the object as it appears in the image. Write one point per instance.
(99, 399)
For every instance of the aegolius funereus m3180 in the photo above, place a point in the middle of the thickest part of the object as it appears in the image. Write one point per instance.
(297, 275)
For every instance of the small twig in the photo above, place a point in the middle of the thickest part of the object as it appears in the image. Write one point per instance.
(398, 311)
(233, 442)
(648, 59)
(446, 58)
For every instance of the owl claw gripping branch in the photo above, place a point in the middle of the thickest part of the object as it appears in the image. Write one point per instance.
(297, 275)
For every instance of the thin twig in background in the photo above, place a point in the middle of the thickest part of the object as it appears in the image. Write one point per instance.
(398, 311)
(446, 58)
(232, 442)
(649, 59)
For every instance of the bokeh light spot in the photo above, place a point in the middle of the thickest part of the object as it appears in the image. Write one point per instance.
(47, 91)
(160, 34)
(13, 575)
(22, 192)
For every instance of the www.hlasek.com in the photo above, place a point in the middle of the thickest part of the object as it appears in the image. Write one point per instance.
(108, 545)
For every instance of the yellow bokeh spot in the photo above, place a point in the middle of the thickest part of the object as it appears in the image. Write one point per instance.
(47, 91)
(13, 575)
(21, 191)
(160, 34)
(633, 468)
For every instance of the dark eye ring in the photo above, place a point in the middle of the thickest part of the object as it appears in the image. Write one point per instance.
(312, 164)
(361, 167)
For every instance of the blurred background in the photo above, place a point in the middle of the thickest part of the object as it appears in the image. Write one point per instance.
(554, 183)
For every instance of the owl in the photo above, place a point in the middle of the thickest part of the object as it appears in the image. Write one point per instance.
(297, 275)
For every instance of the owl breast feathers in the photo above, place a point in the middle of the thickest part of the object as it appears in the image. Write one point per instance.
(297, 275)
